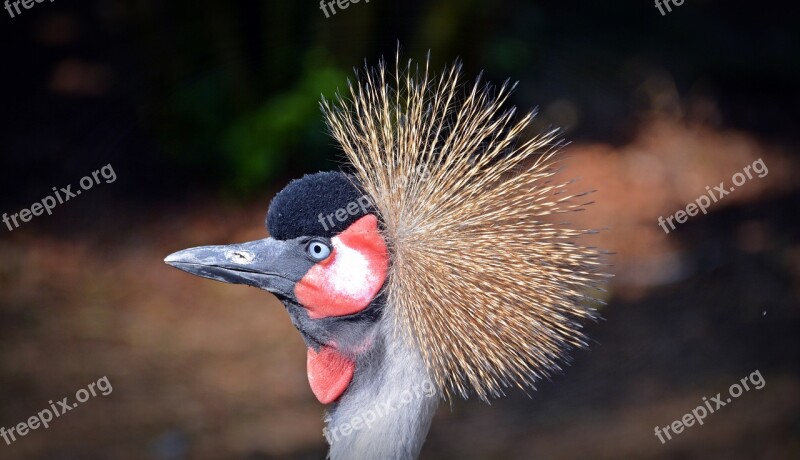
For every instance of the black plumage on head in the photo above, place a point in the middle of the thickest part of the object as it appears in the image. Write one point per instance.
(314, 204)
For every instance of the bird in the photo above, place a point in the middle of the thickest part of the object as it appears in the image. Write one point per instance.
(435, 264)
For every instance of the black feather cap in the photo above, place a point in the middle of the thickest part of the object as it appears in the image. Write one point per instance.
(321, 204)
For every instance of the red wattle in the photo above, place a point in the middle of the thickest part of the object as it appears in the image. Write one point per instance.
(329, 373)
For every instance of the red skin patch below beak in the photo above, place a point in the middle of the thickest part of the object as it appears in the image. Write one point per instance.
(329, 373)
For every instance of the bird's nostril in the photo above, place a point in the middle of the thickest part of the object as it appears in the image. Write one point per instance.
(240, 257)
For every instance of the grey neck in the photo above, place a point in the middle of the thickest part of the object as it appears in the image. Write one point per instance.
(387, 410)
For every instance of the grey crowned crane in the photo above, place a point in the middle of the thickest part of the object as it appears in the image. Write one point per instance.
(432, 269)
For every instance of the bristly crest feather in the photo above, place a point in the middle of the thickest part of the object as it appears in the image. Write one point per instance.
(487, 288)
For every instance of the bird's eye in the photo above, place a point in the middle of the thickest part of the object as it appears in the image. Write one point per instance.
(318, 250)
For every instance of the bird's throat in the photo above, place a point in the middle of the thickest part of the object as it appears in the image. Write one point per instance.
(329, 373)
(387, 408)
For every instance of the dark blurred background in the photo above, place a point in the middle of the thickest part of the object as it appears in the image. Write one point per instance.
(205, 109)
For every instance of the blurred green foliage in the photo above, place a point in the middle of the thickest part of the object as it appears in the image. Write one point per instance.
(234, 97)
(226, 104)
(247, 147)
(256, 142)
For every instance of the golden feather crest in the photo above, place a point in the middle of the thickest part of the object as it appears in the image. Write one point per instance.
(481, 282)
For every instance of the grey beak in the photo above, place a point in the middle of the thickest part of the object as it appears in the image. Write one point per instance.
(263, 264)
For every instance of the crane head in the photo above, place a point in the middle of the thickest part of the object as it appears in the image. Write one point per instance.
(327, 262)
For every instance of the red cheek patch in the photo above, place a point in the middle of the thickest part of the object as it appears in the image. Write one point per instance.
(350, 278)
(329, 373)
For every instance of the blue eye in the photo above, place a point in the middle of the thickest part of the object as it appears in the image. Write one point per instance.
(318, 250)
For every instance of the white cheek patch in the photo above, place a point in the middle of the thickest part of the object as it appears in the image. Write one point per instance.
(349, 274)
